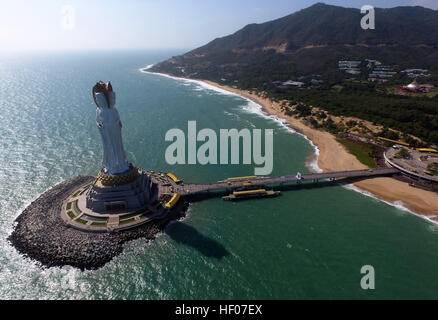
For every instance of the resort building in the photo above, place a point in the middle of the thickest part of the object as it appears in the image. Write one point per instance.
(381, 72)
(415, 87)
(351, 67)
(293, 84)
(414, 73)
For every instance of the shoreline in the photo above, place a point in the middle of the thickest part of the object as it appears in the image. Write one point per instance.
(332, 156)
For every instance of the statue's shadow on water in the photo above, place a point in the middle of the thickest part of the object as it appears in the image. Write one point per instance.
(189, 236)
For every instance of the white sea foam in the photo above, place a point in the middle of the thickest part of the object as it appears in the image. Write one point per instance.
(148, 67)
(201, 84)
(398, 204)
(313, 164)
(255, 108)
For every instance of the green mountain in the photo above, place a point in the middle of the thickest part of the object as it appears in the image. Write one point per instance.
(311, 41)
(330, 25)
(307, 46)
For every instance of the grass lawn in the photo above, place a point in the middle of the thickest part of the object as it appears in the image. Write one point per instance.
(76, 208)
(76, 193)
(100, 224)
(81, 221)
(432, 94)
(362, 152)
(127, 221)
(71, 214)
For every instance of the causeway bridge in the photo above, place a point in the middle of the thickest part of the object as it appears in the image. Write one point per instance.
(234, 183)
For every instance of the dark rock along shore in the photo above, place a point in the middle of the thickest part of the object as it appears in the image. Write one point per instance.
(42, 235)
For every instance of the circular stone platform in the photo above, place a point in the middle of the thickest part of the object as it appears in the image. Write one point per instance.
(41, 234)
(75, 212)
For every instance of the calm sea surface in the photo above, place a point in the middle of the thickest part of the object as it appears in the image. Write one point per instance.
(308, 243)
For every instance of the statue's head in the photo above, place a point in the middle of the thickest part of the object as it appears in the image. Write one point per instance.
(103, 94)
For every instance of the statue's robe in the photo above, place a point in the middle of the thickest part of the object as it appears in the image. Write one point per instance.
(110, 128)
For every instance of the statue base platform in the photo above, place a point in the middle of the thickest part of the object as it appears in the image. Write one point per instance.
(99, 208)
(130, 191)
(108, 180)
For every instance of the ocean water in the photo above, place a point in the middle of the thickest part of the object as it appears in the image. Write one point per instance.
(308, 243)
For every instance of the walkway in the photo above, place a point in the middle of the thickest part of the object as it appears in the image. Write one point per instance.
(188, 189)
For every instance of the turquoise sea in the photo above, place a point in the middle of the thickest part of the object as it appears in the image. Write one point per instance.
(308, 243)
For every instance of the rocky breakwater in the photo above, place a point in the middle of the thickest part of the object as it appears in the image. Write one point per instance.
(42, 235)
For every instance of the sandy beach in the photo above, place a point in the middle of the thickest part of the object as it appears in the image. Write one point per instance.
(334, 157)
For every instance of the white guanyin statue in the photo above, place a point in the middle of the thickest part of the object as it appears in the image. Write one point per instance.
(110, 128)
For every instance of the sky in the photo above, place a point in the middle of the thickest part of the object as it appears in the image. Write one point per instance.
(47, 25)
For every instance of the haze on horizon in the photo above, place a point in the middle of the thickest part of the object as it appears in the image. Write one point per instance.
(49, 25)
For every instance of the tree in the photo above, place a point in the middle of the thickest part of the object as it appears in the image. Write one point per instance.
(403, 154)
(433, 136)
